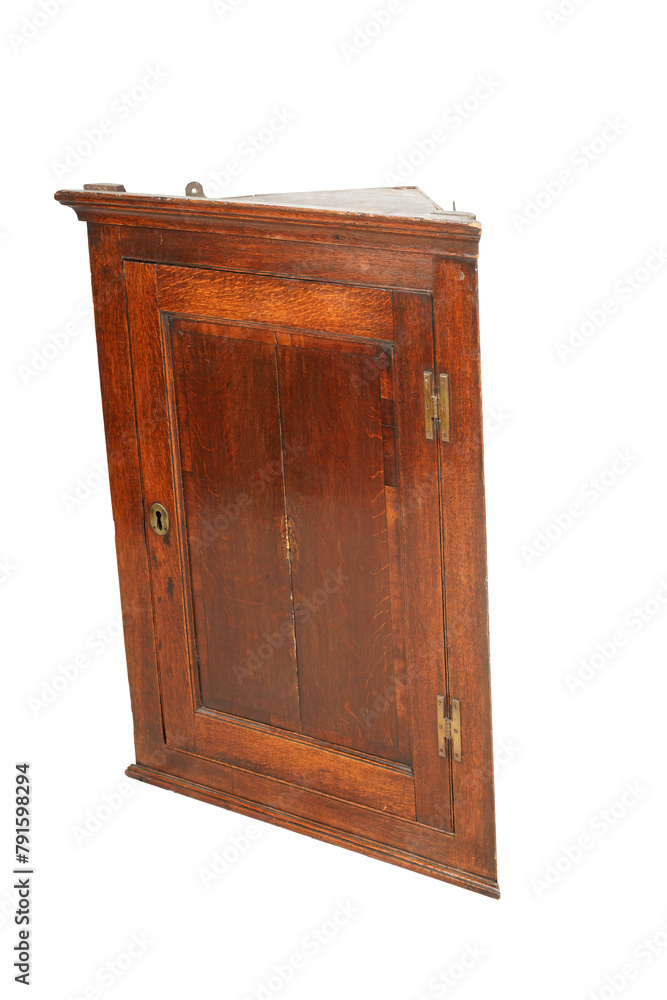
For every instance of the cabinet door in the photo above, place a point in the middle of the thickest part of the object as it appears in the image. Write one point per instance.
(298, 603)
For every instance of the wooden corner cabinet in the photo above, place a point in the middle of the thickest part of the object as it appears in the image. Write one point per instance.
(291, 394)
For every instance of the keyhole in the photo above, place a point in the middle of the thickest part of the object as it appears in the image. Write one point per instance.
(159, 519)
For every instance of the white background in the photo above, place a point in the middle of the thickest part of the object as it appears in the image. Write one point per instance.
(553, 428)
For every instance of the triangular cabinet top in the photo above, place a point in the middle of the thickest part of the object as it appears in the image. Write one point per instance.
(405, 202)
(385, 209)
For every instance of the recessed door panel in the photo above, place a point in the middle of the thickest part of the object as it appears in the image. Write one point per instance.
(231, 467)
(286, 456)
(332, 415)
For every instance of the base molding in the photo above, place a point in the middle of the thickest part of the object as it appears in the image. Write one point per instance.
(319, 831)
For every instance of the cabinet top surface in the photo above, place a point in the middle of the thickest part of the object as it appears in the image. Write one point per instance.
(404, 202)
(386, 207)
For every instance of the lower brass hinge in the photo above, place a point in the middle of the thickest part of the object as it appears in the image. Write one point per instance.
(436, 406)
(449, 729)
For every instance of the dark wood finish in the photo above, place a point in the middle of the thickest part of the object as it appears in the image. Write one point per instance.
(464, 545)
(115, 367)
(309, 226)
(309, 763)
(338, 605)
(284, 258)
(165, 553)
(234, 529)
(421, 558)
(303, 305)
(342, 574)
(324, 576)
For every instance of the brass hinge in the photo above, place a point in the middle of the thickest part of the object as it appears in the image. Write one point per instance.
(436, 406)
(449, 729)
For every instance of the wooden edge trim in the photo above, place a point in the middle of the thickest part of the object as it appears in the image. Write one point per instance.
(209, 209)
(318, 831)
(122, 450)
(465, 568)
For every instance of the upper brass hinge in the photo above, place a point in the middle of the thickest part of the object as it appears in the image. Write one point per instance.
(436, 406)
(449, 729)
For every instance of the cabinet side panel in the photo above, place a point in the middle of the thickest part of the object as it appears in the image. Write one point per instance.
(464, 542)
(113, 351)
